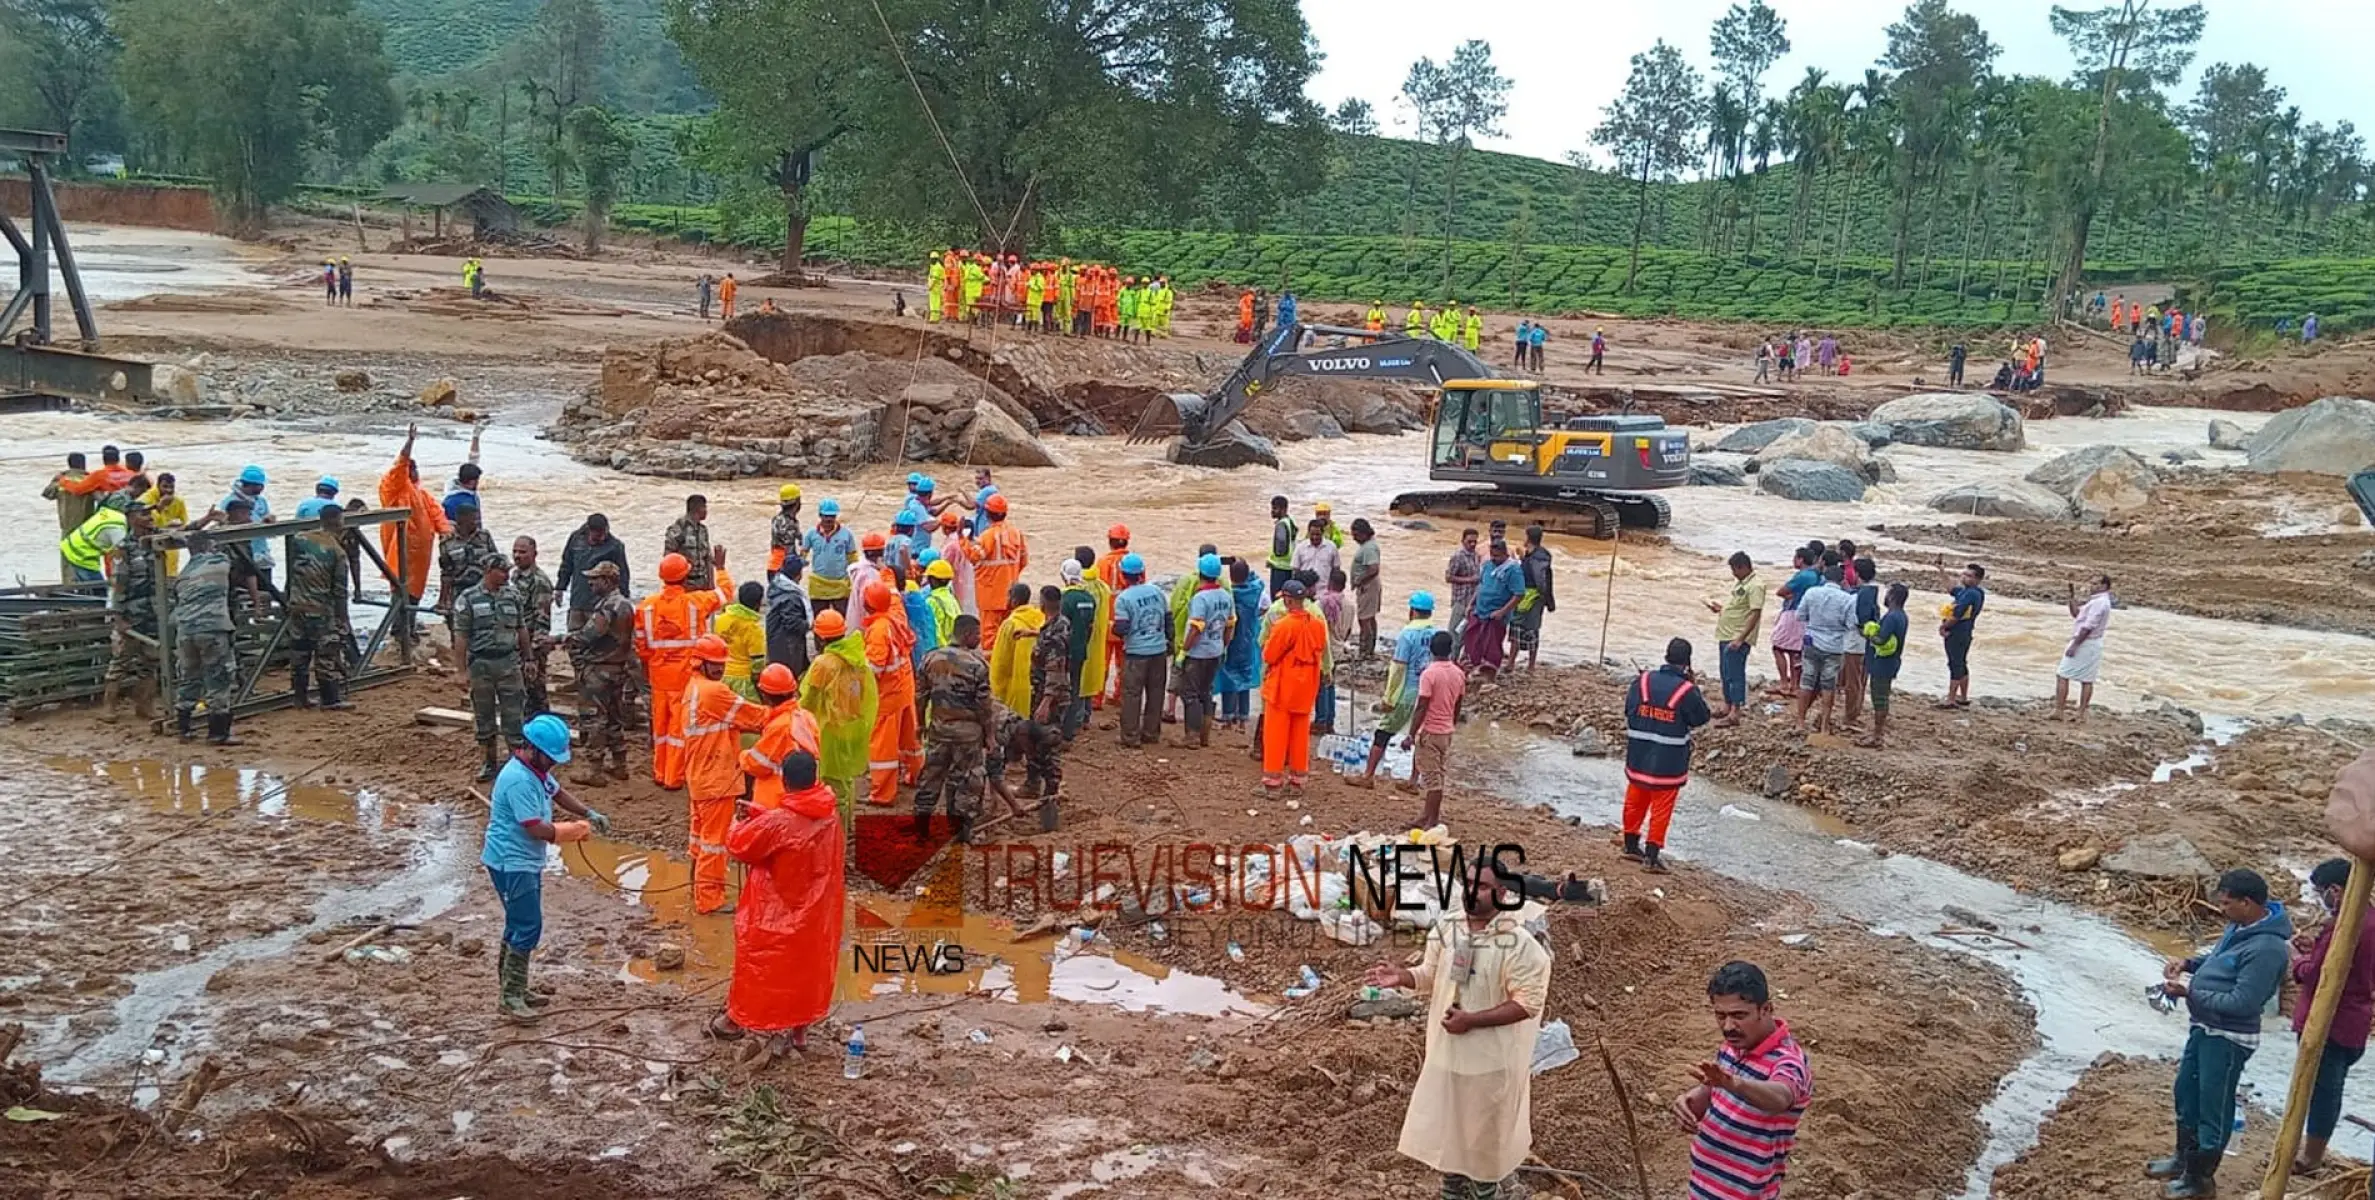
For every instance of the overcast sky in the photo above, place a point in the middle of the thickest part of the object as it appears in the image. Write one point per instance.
(1568, 58)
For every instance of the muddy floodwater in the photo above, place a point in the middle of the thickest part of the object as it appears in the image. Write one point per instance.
(533, 487)
(119, 262)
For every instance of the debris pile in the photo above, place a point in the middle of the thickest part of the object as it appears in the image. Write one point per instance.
(710, 407)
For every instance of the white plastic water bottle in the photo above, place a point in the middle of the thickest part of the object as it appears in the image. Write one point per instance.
(2242, 1106)
(853, 1064)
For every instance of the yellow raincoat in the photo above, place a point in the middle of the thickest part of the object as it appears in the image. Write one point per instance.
(839, 692)
(1010, 661)
(745, 636)
(169, 514)
(1096, 666)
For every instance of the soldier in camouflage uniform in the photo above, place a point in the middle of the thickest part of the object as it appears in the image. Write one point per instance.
(491, 628)
(205, 667)
(1051, 660)
(132, 603)
(536, 599)
(317, 597)
(1038, 746)
(956, 682)
(461, 557)
(783, 531)
(602, 652)
(689, 536)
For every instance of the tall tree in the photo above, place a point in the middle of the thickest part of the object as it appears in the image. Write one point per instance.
(1353, 116)
(1459, 101)
(1649, 130)
(2124, 45)
(1125, 110)
(786, 75)
(561, 60)
(1941, 58)
(66, 53)
(1745, 43)
(602, 151)
(248, 87)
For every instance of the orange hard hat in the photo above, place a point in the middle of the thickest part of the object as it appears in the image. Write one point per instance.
(995, 505)
(878, 597)
(1119, 533)
(711, 648)
(873, 541)
(948, 519)
(830, 624)
(777, 680)
(673, 568)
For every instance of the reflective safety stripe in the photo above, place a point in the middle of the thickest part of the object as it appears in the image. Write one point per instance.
(876, 765)
(665, 740)
(1663, 739)
(1648, 780)
(756, 759)
(706, 847)
(694, 731)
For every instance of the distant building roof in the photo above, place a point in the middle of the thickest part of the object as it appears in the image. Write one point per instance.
(434, 195)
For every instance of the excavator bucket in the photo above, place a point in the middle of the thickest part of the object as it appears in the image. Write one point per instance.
(1167, 416)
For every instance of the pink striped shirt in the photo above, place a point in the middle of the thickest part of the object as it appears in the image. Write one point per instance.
(1742, 1152)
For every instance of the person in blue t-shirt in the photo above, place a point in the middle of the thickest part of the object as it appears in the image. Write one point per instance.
(1534, 340)
(1884, 654)
(1142, 620)
(519, 826)
(1956, 619)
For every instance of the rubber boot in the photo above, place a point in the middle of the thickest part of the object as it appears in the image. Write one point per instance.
(2174, 1165)
(111, 702)
(2199, 1179)
(964, 831)
(1649, 859)
(528, 993)
(334, 696)
(300, 684)
(181, 723)
(514, 1003)
(923, 827)
(1049, 818)
(1632, 848)
(144, 699)
(218, 729)
(618, 764)
(487, 770)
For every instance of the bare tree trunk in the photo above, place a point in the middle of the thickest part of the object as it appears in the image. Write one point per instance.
(1640, 222)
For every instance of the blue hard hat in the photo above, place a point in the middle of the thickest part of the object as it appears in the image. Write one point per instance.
(325, 482)
(312, 506)
(251, 474)
(1208, 566)
(830, 508)
(927, 558)
(549, 734)
(1422, 602)
(1133, 565)
(926, 484)
(907, 518)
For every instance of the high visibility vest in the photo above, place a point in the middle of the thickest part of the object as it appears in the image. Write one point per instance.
(1658, 739)
(81, 547)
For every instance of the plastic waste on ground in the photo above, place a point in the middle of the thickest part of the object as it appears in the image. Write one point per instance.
(1554, 1047)
(853, 1063)
(1307, 983)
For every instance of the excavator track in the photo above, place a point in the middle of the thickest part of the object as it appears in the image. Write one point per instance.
(1579, 516)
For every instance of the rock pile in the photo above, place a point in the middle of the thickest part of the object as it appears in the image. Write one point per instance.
(709, 407)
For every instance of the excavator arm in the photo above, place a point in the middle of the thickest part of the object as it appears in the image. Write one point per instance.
(1354, 354)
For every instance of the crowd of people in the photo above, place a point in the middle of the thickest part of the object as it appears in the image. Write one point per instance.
(1080, 299)
(1791, 356)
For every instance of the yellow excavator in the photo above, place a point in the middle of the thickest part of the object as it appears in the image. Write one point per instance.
(1587, 476)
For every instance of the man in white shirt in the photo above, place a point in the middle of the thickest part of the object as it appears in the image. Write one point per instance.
(2082, 659)
(1829, 614)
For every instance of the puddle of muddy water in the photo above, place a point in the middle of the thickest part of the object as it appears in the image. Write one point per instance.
(192, 789)
(2084, 975)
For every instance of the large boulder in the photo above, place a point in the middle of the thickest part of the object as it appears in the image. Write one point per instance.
(1809, 479)
(1233, 446)
(1823, 443)
(1874, 433)
(2226, 435)
(2019, 501)
(1952, 421)
(2334, 436)
(1001, 441)
(1756, 435)
(2159, 856)
(2099, 481)
(1716, 472)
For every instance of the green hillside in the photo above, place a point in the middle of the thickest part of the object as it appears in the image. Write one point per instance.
(477, 42)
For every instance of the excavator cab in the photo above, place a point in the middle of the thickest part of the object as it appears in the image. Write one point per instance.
(1581, 477)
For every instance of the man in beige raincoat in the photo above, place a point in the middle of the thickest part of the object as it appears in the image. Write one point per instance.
(1485, 979)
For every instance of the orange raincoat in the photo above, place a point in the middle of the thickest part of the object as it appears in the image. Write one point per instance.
(1291, 662)
(999, 556)
(715, 718)
(897, 749)
(398, 489)
(667, 623)
(787, 929)
(789, 727)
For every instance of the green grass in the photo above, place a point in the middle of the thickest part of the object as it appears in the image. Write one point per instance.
(2340, 291)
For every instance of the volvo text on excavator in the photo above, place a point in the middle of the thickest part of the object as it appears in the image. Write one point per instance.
(1587, 476)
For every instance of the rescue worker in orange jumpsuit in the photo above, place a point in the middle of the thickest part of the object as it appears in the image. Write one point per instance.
(952, 284)
(789, 728)
(715, 718)
(667, 623)
(401, 488)
(999, 557)
(1291, 658)
(897, 749)
(1109, 570)
(1245, 315)
(787, 929)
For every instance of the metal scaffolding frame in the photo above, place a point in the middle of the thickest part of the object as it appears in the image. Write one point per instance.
(32, 368)
(396, 622)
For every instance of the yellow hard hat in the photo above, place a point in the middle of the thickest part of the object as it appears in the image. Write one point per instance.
(787, 493)
(940, 570)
